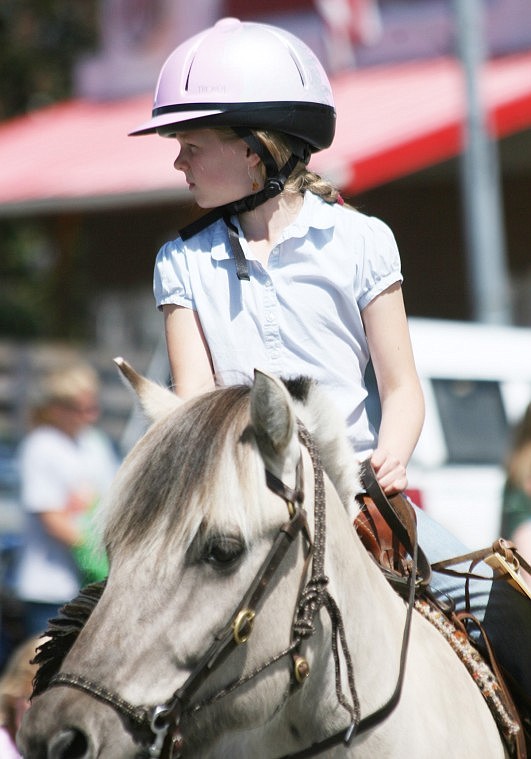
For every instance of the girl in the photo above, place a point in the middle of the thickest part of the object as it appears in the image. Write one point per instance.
(280, 274)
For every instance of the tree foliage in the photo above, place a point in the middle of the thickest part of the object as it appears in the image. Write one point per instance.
(40, 42)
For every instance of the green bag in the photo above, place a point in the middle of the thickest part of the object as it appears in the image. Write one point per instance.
(89, 555)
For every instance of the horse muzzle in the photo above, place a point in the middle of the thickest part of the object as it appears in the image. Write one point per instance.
(62, 726)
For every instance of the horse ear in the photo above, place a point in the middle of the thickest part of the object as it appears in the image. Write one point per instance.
(272, 414)
(157, 401)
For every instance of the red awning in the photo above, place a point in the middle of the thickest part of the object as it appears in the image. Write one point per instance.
(395, 121)
(392, 121)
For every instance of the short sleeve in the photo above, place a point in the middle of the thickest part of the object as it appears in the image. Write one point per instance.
(171, 278)
(381, 261)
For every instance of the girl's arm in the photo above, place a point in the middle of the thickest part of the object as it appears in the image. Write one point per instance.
(188, 353)
(399, 387)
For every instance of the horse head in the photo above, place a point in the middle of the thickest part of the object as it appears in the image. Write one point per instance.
(241, 615)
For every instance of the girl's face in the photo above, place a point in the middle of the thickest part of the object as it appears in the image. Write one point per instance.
(217, 170)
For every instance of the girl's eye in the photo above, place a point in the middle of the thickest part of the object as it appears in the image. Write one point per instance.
(223, 552)
(187, 147)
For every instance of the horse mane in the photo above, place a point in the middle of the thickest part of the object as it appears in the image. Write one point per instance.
(168, 477)
(61, 635)
(329, 431)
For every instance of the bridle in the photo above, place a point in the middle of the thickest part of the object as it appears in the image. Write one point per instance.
(163, 721)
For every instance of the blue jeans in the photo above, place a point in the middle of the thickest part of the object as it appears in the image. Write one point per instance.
(504, 612)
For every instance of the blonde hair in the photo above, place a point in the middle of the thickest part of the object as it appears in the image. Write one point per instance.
(301, 178)
(63, 386)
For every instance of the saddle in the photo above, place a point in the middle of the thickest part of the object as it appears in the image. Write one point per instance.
(379, 538)
(387, 528)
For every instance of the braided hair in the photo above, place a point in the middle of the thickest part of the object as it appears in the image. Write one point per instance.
(301, 179)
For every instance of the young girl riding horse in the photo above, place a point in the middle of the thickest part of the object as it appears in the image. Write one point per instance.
(281, 275)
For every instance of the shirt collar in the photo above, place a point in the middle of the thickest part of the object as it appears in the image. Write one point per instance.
(315, 213)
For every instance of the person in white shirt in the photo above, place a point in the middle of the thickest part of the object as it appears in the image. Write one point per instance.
(66, 466)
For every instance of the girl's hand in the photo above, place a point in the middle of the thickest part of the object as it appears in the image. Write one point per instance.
(390, 472)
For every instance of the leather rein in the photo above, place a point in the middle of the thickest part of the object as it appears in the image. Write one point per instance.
(163, 721)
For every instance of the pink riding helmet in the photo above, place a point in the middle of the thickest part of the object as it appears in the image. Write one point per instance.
(248, 75)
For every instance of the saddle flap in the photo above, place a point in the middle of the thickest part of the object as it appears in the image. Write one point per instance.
(378, 538)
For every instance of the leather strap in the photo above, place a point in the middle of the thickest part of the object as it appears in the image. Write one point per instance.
(225, 641)
(346, 736)
(242, 267)
(399, 515)
(507, 549)
(407, 536)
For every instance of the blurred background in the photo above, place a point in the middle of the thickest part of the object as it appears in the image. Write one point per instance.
(433, 136)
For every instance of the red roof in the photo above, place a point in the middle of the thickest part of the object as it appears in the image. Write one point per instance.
(395, 121)
(392, 121)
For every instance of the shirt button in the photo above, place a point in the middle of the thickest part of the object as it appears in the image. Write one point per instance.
(270, 316)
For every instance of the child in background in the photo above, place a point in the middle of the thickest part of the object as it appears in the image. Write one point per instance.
(15, 692)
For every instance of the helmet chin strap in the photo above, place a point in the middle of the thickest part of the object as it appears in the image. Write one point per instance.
(273, 186)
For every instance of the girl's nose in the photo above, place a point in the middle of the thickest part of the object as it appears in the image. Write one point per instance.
(178, 164)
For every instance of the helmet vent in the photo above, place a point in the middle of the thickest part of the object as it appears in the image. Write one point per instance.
(298, 67)
(187, 83)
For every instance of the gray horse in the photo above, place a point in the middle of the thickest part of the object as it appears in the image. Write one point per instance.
(242, 617)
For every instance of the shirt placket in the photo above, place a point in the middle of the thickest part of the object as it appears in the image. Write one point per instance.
(271, 326)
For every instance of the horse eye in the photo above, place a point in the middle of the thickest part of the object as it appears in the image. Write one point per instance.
(224, 552)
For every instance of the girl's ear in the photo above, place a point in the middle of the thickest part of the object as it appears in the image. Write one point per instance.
(253, 159)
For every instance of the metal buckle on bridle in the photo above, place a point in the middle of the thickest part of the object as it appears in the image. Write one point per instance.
(163, 718)
(159, 728)
(242, 626)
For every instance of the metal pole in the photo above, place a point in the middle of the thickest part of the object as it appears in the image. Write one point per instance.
(482, 204)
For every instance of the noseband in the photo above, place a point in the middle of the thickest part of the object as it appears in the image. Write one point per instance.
(163, 721)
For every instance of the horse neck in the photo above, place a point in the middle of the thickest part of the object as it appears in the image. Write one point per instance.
(372, 613)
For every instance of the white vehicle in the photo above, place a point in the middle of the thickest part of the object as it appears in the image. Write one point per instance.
(477, 384)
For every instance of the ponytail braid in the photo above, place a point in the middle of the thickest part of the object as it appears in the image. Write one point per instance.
(301, 178)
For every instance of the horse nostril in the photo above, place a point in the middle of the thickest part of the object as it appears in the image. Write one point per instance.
(69, 744)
